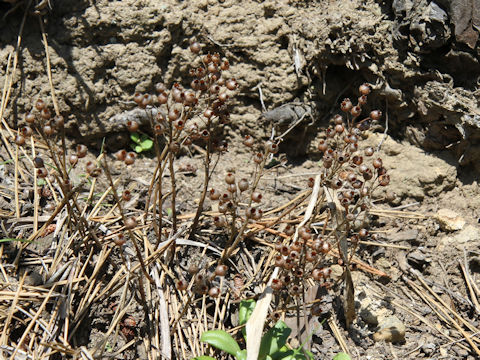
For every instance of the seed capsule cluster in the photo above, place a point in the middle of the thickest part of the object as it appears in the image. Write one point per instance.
(229, 201)
(204, 282)
(300, 260)
(352, 173)
(187, 115)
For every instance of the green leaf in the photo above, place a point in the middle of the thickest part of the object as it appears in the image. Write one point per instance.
(204, 357)
(241, 355)
(135, 137)
(138, 148)
(342, 356)
(41, 182)
(221, 340)
(274, 339)
(245, 310)
(244, 313)
(146, 144)
(309, 354)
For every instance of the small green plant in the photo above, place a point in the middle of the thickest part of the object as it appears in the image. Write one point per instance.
(141, 142)
(273, 344)
(342, 356)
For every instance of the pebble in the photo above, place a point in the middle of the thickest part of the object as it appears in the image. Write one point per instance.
(391, 330)
(449, 220)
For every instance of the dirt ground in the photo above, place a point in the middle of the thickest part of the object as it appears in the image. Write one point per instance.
(423, 61)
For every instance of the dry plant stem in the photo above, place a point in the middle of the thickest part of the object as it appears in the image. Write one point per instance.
(32, 322)
(432, 302)
(184, 310)
(239, 236)
(206, 180)
(132, 236)
(35, 189)
(17, 204)
(154, 177)
(174, 185)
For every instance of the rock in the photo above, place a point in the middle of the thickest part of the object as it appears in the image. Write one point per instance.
(371, 309)
(449, 220)
(391, 330)
(414, 173)
(337, 272)
(418, 259)
(406, 235)
(470, 234)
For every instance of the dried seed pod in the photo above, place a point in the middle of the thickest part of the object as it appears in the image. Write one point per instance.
(295, 290)
(214, 194)
(132, 126)
(364, 89)
(231, 84)
(58, 122)
(19, 140)
(277, 284)
(325, 248)
(147, 100)
(138, 97)
(279, 261)
(45, 114)
(223, 97)
(369, 151)
(195, 47)
(243, 184)
(38, 162)
(248, 141)
(119, 240)
(181, 285)
(162, 98)
(375, 115)
(48, 130)
(39, 104)
(363, 233)
(214, 292)
(190, 98)
(289, 230)
(73, 159)
(256, 196)
(121, 155)
(81, 151)
(377, 163)
(221, 270)
(130, 223)
(205, 135)
(311, 256)
(384, 180)
(126, 195)
(271, 147)
(250, 212)
(219, 221)
(129, 158)
(346, 105)
(230, 178)
(258, 158)
(42, 173)
(322, 145)
(30, 118)
(258, 214)
(90, 167)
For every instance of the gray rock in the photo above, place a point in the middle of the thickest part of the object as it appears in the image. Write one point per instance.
(391, 329)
